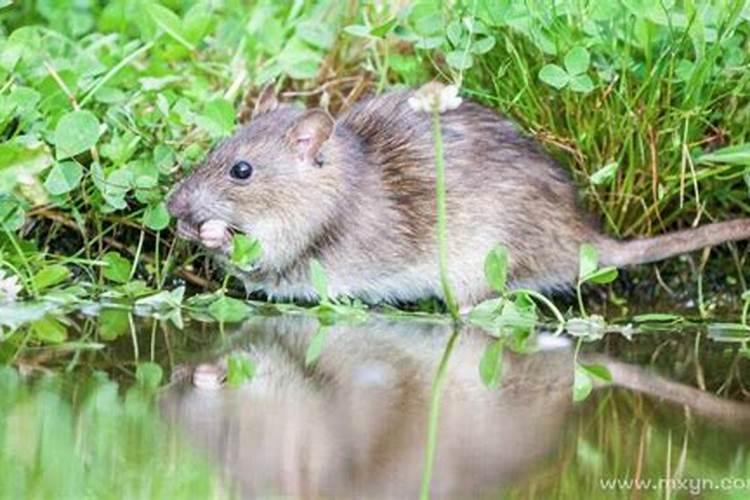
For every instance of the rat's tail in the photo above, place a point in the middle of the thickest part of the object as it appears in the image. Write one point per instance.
(640, 251)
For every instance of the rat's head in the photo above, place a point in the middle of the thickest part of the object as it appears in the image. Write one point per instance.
(278, 179)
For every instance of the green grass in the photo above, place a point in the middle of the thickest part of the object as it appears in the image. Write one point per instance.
(103, 105)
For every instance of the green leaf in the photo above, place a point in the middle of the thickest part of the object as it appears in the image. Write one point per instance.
(76, 132)
(588, 260)
(11, 213)
(156, 217)
(149, 375)
(162, 301)
(245, 250)
(483, 45)
(581, 83)
(383, 29)
(429, 43)
(732, 155)
(601, 276)
(491, 366)
(50, 330)
(496, 268)
(229, 310)
(582, 383)
(319, 280)
(597, 371)
(240, 369)
(728, 332)
(577, 61)
(359, 30)
(50, 276)
(117, 268)
(454, 33)
(604, 175)
(459, 59)
(298, 60)
(657, 318)
(217, 118)
(554, 75)
(112, 323)
(315, 348)
(170, 23)
(316, 33)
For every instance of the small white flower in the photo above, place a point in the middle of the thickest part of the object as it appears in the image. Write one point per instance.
(435, 95)
(9, 288)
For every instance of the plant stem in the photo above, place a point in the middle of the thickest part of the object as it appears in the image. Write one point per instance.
(435, 396)
(579, 294)
(442, 230)
(544, 300)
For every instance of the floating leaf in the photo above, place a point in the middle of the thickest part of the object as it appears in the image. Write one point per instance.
(164, 300)
(229, 310)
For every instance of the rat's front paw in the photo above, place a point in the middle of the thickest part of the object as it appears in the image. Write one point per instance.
(215, 234)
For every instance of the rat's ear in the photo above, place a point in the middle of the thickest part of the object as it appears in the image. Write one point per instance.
(309, 133)
(266, 101)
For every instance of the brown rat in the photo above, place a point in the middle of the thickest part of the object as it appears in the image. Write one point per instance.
(358, 194)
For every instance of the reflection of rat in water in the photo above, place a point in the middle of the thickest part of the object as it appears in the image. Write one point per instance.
(354, 423)
(357, 193)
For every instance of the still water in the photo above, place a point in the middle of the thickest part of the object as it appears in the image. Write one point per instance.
(343, 411)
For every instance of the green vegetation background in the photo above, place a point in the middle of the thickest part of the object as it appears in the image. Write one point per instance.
(103, 105)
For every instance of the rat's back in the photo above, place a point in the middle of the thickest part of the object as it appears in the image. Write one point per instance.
(501, 189)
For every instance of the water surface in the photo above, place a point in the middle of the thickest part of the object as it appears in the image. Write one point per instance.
(342, 411)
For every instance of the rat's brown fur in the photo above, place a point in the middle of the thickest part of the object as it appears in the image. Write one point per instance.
(359, 196)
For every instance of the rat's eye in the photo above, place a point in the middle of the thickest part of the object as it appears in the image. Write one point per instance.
(241, 170)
